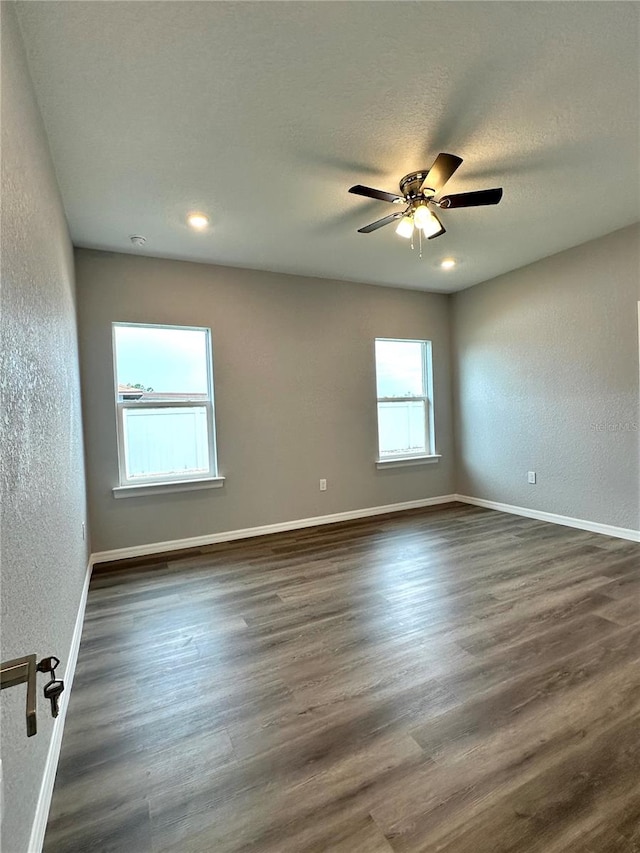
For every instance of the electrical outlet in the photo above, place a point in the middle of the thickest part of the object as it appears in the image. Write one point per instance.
(531, 477)
(323, 485)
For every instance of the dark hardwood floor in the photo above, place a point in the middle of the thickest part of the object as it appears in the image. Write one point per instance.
(453, 680)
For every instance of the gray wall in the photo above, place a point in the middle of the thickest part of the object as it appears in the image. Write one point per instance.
(546, 370)
(297, 354)
(44, 559)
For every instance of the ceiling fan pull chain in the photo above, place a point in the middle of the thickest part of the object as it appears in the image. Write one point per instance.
(420, 240)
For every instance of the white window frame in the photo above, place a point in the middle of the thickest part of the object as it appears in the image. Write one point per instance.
(130, 486)
(427, 398)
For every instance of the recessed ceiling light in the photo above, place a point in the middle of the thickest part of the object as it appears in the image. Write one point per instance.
(198, 221)
(448, 264)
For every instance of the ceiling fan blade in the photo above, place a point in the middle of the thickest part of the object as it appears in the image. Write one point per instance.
(442, 169)
(379, 223)
(439, 233)
(475, 199)
(380, 195)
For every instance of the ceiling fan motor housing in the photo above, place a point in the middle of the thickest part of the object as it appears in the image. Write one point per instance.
(410, 186)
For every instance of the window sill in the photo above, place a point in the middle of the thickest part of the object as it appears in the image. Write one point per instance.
(408, 460)
(141, 489)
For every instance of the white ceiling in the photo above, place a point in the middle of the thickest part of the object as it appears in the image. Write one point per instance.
(263, 114)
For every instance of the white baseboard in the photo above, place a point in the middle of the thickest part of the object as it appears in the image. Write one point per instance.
(39, 826)
(553, 518)
(245, 533)
(298, 524)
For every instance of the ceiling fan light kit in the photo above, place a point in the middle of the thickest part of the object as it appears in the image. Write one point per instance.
(418, 191)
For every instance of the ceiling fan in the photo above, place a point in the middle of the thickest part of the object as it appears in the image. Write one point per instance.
(418, 191)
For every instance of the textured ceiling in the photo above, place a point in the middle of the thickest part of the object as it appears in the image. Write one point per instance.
(263, 114)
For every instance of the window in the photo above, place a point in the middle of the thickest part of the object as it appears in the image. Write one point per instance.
(164, 404)
(405, 400)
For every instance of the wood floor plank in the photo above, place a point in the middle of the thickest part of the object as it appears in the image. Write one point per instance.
(451, 679)
(594, 676)
(535, 814)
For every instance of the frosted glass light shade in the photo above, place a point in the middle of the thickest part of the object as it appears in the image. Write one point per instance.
(405, 227)
(426, 221)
